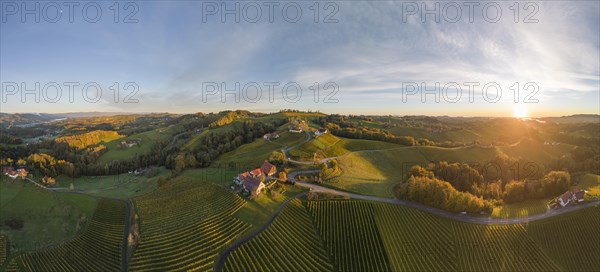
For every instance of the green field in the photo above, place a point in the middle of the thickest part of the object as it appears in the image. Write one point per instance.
(329, 145)
(48, 218)
(98, 248)
(590, 183)
(377, 172)
(184, 224)
(148, 139)
(114, 186)
(289, 244)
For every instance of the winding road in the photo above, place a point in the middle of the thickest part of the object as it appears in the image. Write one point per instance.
(438, 212)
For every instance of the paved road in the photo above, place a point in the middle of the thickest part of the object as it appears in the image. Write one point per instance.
(442, 213)
(223, 256)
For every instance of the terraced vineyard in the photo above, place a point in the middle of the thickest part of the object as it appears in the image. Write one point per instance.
(572, 240)
(350, 234)
(289, 244)
(183, 226)
(99, 248)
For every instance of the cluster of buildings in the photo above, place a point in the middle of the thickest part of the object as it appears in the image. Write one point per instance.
(253, 182)
(131, 143)
(574, 196)
(321, 131)
(12, 173)
(271, 136)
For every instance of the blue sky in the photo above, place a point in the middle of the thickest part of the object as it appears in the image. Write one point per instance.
(370, 50)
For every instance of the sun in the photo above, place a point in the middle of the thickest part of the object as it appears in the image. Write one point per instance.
(520, 111)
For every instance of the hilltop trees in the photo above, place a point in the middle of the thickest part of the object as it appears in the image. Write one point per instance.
(555, 182)
(440, 194)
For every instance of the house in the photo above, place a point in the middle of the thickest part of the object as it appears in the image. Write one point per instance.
(320, 131)
(13, 174)
(565, 198)
(268, 169)
(296, 129)
(253, 185)
(578, 195)
(271, 136)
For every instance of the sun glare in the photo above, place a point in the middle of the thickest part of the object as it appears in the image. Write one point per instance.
(520, 111)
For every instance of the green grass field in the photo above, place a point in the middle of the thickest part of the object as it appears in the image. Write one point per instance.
(590, 183)
(48, 218)
(148, 139)
(377, 172)
(114, 186)
(98, 248)
(329, 145)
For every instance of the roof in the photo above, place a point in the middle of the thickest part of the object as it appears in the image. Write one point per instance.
(566, 196)
(251, 183)
(578, 194)
(268, 168)
(255, 172)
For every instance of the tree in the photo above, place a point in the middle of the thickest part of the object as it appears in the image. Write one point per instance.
(419, 171)
(556, 182)
(514, 191)
(282, 176)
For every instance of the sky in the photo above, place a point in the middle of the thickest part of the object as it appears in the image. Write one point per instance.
(352, 57)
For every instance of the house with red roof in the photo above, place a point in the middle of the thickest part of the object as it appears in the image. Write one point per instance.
(268, 169)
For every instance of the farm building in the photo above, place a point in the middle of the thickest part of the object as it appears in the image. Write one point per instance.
(251, 181)
(575, 196)
(565, 198)
(320, 131)
(268, 169)
(12, 173)
(271, 136)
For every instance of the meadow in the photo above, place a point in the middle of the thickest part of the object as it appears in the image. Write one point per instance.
(48, 218)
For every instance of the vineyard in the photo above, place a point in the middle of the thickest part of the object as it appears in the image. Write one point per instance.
(498, 248)
(98, 248)
(365, 236)
(183, 226)
(291, 243)
(571, 240)
(350, 234)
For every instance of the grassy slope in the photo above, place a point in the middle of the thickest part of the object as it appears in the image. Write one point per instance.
(149, 139)
(43, 214)
(377, 172)
(115, 186)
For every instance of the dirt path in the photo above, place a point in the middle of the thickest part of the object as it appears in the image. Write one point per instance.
(442, 213)
(223, 256)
